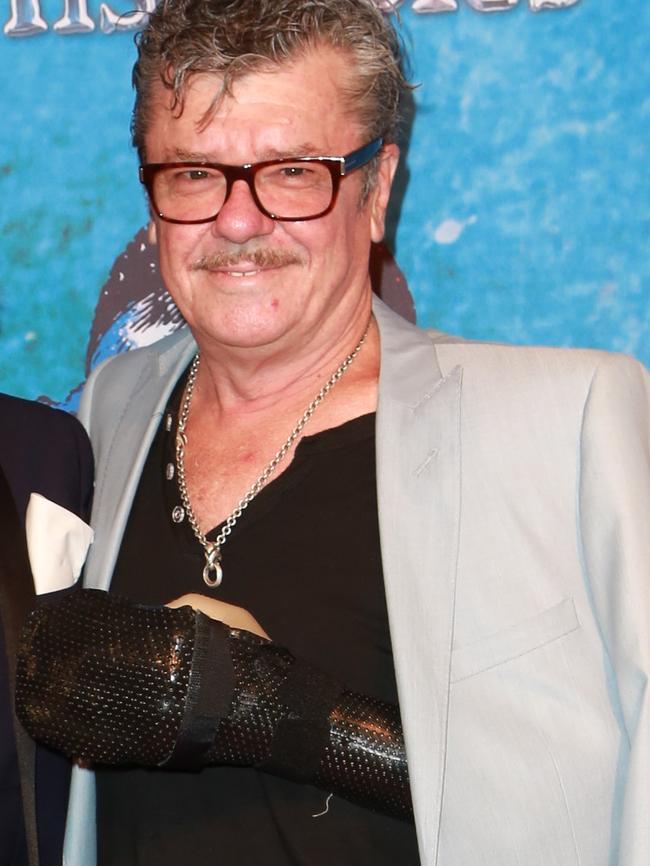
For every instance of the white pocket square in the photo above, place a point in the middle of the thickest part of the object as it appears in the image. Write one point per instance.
(57, 543)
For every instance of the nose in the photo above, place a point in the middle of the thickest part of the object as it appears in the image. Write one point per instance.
(240, 219)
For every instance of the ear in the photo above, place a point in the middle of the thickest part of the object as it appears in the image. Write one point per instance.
(380, 195)
(152, 232)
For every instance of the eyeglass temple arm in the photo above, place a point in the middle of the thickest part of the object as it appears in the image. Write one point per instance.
(360, 157)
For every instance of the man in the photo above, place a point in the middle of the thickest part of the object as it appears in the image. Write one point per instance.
(495, 519)
(41, 451)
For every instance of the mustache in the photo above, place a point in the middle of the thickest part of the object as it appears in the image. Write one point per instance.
(261, 257)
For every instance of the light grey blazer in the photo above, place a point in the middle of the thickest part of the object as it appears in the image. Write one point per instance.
(514, 511)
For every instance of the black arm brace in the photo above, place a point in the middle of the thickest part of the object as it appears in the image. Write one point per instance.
(105, 680)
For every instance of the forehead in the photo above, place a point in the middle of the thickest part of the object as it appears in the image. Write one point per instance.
(301, 106)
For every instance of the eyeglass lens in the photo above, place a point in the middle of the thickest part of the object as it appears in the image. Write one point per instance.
(290, 190)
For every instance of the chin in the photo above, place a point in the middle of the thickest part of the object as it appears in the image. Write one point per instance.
(244, 330)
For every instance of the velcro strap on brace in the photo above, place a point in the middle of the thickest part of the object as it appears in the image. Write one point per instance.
(212, 682)
(302, 734)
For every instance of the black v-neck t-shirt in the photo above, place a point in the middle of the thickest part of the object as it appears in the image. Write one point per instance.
(304, 558)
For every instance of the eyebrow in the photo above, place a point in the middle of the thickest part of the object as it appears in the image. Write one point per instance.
(304, 149)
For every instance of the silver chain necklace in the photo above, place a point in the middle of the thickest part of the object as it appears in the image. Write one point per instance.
(213, 570)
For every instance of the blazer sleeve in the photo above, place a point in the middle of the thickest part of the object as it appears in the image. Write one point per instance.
(614, 520)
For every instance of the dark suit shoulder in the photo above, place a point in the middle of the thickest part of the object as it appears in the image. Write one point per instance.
(21, 411)
(45, 450)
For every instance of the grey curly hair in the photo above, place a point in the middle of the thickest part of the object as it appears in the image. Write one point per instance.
(231, 38)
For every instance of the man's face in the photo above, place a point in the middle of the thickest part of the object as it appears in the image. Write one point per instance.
(281, 281)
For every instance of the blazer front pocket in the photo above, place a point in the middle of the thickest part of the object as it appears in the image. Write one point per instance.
(515, 641)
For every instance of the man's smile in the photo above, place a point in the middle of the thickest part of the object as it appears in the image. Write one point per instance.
(242, 273)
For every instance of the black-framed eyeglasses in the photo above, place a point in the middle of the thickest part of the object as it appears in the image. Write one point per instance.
(291, 189)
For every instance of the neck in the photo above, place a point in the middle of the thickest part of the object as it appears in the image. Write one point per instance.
(237, 380)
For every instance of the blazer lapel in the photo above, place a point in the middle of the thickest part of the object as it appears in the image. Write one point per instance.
(418, 482)
(128, 442)
(16, 599)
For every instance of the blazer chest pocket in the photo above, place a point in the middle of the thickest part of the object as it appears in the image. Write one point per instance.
(515, 641)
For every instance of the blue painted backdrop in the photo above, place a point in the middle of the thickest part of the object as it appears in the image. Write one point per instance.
(526, 213)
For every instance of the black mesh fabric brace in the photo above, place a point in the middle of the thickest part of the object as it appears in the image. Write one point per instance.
(109, 681)
(104, 680)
